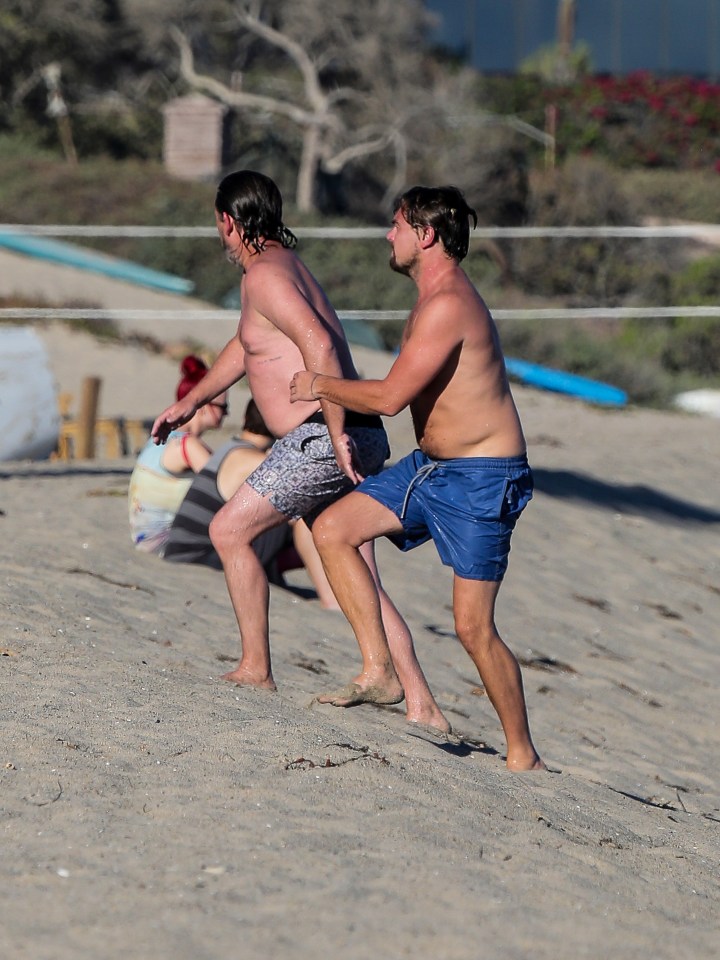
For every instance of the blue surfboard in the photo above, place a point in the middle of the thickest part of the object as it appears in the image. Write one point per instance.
(593, 391)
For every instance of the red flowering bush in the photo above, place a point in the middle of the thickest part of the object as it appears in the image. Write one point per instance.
(640, 120)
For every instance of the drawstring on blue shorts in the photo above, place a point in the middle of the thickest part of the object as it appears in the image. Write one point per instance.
(420, 477)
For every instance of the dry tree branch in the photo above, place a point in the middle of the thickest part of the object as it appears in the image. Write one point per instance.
(234, 98)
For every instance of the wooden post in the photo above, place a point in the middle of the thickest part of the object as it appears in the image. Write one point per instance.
(87, 415)
(551, 131)
(66, 139)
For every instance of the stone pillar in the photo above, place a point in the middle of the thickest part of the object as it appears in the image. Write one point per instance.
(193, 137)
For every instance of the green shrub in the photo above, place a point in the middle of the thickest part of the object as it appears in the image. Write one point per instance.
(676, 194)
(584, 192)
(698, 283)
(693, 346)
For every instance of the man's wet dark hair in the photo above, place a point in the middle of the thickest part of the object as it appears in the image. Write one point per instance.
(445, 210)
(254, 202)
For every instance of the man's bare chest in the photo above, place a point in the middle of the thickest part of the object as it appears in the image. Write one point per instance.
(258, 336)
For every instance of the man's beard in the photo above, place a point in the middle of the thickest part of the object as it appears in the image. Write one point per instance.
(232, 256)
(405, 268)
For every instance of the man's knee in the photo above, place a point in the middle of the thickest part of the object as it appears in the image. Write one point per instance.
(323, 530)
(331, 529)
(226, 532)
(217, 533)
(474, 610)
(475, 629)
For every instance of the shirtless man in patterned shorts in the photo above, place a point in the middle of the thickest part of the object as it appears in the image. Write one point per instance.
(321, 452)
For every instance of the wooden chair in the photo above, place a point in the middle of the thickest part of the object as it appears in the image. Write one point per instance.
(79, 437)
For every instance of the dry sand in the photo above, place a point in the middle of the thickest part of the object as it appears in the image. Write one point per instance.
(151, 811)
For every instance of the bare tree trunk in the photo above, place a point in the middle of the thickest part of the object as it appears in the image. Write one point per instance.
(305, 194)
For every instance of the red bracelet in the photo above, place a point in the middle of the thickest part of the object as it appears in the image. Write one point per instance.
(183, 451)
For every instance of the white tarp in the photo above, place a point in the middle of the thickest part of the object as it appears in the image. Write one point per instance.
(29, 416)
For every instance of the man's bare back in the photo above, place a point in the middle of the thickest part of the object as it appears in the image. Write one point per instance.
(271, 353)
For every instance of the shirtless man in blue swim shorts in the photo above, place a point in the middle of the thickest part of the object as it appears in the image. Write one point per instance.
(467, 483)
(320, 453)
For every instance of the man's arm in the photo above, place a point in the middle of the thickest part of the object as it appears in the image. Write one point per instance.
(363, 396)
(424, 354)
(228, 368)
(278, 299)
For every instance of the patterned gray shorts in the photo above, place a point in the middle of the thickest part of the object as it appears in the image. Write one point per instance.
(300, 476)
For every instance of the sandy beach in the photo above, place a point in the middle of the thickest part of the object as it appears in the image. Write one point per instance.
(153, 812)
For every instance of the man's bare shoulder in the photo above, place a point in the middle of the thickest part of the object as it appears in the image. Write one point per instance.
(269, 286)
(454, 305)
(268, 268)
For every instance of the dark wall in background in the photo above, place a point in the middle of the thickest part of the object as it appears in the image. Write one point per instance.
(663, 36)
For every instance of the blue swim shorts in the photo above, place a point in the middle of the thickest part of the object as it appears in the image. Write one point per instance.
(468, 506)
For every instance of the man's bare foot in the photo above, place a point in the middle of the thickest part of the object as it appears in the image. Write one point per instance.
(352, 694)
(428, 716)
(243, 678)
(432, 733)
(525, 763)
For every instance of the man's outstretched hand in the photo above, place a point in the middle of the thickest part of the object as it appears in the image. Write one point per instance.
(172, 418)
